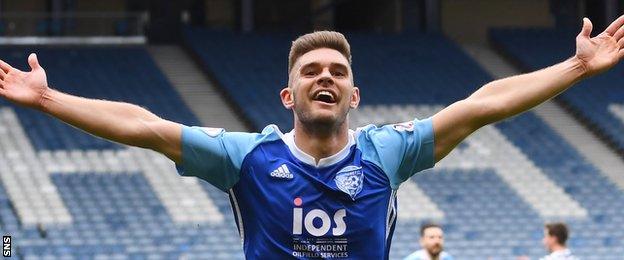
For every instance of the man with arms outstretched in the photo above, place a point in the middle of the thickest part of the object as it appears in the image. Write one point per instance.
(321, 190)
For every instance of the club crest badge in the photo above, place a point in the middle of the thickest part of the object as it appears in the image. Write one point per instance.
(350, 180)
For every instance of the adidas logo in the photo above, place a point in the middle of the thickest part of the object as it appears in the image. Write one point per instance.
(282, 172)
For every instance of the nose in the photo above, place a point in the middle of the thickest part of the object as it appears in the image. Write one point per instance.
(325, 78)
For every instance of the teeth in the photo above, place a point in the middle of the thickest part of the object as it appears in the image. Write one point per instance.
(327, 93)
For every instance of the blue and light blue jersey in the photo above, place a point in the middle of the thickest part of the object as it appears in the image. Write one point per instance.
(288, 205)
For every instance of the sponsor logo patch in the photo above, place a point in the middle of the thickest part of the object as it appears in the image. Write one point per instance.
(405, 126)
(211, 131)
(282, 172)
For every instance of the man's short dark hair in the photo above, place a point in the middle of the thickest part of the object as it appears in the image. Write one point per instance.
(425, 226)
(317, 40)
(558, 230)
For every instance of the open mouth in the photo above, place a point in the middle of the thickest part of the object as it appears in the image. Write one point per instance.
(325, 96)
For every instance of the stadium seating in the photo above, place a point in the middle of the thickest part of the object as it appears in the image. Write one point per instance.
(227, 56)
(482, 200)
(68, 195)
(598, 100)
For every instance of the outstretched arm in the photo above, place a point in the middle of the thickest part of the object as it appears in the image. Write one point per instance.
(507, 97)
(117, 121)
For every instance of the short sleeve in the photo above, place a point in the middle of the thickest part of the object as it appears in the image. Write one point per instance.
(400, 150)
(214, 155)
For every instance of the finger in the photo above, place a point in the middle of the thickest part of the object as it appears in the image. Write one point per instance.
(5, 66)
(32, 61)
(2, 74)
(615, 25)
(620, 43)
(587, 28)
(619, 33)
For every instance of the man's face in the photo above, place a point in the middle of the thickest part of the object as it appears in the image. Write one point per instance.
(549, 241)
(433, 241)
(321, 88)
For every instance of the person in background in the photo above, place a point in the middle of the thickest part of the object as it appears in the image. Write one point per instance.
(555, 237)
(432, 243)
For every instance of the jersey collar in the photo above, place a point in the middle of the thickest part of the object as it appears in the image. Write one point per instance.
(289, 139)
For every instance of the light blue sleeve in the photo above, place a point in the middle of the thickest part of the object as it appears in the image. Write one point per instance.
(216, 156)
(400, 150)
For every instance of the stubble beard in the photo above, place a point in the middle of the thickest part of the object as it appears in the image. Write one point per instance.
(320, 125)
(435, 251)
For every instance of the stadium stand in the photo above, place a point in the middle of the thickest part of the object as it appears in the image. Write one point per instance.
(68, 195)
(484, 200)
(598, 100)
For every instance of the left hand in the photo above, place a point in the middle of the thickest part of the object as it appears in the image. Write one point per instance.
(603, 51)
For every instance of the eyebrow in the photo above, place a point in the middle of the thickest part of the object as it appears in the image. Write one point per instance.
(333, 64)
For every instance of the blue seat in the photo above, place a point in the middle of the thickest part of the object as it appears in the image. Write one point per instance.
(538, 48)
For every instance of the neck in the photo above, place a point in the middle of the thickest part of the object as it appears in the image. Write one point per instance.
(320, 143)
(432, 257)
(556, 248)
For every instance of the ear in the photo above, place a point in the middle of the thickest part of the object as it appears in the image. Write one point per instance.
(288, 99)
(355, 98)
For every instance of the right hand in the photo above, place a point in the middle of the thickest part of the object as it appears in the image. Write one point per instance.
(24, 88)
